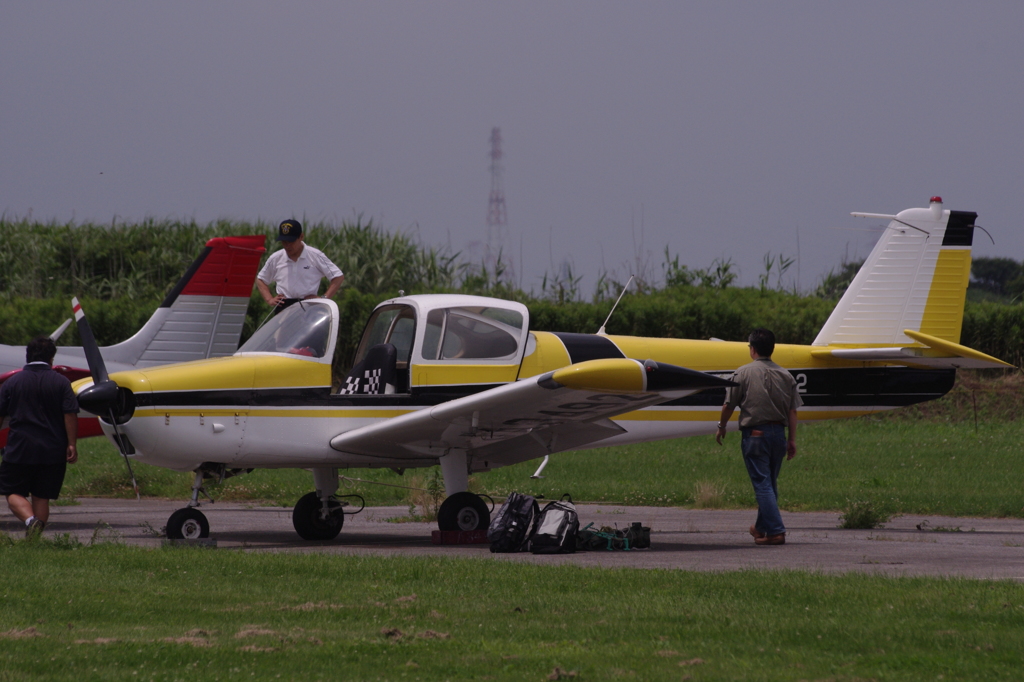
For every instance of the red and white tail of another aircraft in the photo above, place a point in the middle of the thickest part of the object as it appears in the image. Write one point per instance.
(201, 317)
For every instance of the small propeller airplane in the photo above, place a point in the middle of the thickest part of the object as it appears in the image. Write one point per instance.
(462, 381)
(201, 317)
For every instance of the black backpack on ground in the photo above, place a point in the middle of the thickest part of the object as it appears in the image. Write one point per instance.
(556, 527)
(510, 529)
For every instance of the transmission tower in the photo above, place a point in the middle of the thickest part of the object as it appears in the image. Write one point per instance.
(497, 219)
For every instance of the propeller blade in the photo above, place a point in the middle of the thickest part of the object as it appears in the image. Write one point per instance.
(60, 330)
(102, 397)
(89, 345)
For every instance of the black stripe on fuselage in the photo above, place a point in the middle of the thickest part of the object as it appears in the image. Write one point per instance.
(960, 229)
(235, 397)
(306, 397)
(853, 387)
(583, 347)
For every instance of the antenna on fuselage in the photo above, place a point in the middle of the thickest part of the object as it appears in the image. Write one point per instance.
(601, 330)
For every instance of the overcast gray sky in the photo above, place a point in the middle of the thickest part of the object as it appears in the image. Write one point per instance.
(722, 128)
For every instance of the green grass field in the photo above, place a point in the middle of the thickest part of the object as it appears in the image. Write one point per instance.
(115, 612)
(901, 466)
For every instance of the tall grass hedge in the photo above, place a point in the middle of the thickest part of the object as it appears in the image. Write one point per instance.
(122, 271)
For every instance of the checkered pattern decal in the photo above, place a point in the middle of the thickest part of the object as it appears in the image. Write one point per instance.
(374, 375)
(351, 386)
(368, 384)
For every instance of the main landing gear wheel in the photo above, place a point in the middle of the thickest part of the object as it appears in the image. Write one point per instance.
(463, 511)
(188, 524)
(309, 522)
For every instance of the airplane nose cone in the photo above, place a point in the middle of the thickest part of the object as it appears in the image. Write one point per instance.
(107, 397)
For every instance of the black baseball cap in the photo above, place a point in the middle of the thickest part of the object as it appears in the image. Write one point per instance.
(289, 230)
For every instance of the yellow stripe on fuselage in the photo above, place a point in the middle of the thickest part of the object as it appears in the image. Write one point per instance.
(462, 375)
(306, 412)
(670, 414)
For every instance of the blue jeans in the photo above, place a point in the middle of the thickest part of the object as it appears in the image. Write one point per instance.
(763, 456)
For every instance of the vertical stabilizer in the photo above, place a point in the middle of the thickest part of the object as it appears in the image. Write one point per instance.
(204, 313)
(915, 278)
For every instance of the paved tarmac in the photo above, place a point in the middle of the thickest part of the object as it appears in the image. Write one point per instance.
(686, 539)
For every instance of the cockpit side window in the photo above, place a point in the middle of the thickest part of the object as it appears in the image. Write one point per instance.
(480, 333)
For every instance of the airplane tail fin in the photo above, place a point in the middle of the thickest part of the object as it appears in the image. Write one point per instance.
(203, 314)
(914, 279)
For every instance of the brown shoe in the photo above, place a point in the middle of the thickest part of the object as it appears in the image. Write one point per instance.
(779, 539)
(756, 533)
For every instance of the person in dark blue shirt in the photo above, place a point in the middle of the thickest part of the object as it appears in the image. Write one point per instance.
(43, 435)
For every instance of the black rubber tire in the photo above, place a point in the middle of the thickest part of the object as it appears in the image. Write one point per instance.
(187, 524)
(307, 521)
(463, 511)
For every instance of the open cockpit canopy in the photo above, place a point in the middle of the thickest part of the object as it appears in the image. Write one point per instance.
(304, 328)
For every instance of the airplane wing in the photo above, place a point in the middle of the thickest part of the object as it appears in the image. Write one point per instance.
(557, 411)
(939, 353)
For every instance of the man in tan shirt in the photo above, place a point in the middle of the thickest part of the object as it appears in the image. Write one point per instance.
(768, 399)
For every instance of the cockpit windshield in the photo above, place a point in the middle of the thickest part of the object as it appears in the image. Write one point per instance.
(301, 329)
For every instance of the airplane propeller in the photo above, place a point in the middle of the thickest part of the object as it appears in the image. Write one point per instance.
(104, 397)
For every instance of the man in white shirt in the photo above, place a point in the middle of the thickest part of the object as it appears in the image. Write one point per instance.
(297, 269)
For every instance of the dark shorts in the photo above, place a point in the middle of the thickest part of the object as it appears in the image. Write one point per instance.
(38, 480)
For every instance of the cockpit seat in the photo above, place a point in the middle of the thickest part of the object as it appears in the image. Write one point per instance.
(373, 375)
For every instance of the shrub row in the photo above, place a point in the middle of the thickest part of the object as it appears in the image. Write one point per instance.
(143, 260)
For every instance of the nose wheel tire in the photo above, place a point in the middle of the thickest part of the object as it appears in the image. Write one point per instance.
(188, 524)
(463, 511)
(307, 517)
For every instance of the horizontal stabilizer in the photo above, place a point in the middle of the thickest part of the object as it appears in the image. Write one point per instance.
(955, 349)
(939, 353)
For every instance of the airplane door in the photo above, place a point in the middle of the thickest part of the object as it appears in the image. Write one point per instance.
(468, 348)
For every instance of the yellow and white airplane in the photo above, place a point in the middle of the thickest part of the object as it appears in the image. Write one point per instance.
(463, 382)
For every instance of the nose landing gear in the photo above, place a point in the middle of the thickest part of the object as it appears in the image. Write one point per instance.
(189, 523)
